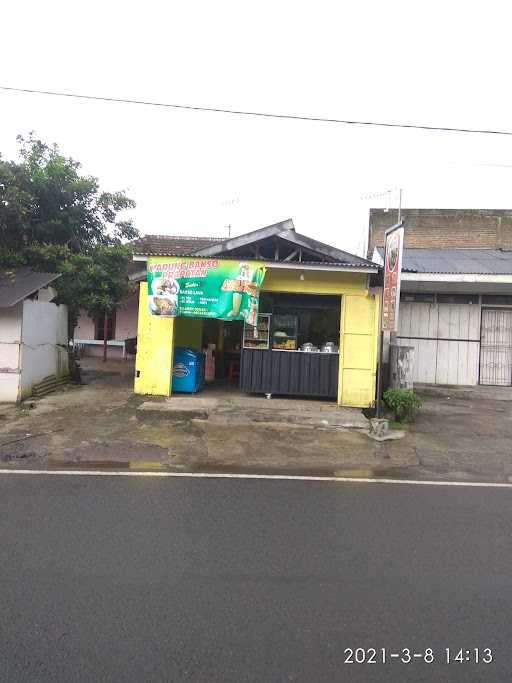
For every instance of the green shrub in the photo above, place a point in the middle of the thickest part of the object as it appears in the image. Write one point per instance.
(403, 402)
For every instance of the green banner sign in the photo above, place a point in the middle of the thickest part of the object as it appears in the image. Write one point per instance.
(204, 288)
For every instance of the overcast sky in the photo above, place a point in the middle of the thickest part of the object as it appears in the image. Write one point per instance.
(435, 63)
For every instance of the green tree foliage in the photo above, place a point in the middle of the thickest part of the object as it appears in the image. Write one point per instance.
(54, 219)
(44, 199)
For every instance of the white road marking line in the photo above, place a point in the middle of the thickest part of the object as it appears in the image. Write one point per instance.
(277, 477)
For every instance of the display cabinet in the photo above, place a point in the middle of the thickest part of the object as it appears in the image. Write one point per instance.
(258, 336)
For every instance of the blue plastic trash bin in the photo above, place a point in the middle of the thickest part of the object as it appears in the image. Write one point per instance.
(187, 371)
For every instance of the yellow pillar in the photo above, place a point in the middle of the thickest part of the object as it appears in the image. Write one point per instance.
(358, 350)
(153, 364)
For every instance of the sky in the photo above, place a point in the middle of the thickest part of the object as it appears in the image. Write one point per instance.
(195, 173)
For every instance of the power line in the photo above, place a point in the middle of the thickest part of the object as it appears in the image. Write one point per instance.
(261, 114)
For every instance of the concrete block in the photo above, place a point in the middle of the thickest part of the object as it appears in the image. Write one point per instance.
(378, 426)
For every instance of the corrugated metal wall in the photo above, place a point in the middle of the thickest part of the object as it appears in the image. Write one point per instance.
(446, 339)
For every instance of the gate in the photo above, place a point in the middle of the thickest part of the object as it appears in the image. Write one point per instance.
(496, 347)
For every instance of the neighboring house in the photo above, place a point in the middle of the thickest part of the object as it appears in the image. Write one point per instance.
(122, 324)
(456, 300)
(33, 332)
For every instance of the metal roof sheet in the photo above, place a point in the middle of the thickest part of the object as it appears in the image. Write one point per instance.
(18, 283)
(453, 261)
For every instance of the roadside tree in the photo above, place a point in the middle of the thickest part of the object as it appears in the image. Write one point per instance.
(54, 218)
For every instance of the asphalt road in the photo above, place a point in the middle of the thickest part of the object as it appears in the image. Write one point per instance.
(146, 579)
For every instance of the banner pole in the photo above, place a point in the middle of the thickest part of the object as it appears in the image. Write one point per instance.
(379, 367)
(397, 265)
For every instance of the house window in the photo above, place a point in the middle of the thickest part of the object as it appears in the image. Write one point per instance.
(99, 326)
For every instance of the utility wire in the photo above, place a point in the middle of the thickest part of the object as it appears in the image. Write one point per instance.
(268, 115)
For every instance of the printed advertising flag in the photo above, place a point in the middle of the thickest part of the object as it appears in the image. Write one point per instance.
(392, 273)
(204, 288)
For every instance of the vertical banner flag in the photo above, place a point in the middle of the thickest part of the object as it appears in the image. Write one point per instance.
(392, 274)
(204, 288)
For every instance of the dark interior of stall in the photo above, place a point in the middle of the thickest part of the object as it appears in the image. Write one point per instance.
(226, 340)
(287, 322)
(299, 319)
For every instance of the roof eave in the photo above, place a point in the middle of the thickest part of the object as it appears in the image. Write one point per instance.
(363, 268)
(458, 277)
(280, 265)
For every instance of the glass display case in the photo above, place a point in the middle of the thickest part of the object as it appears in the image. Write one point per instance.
(258, 336)
(284, 332)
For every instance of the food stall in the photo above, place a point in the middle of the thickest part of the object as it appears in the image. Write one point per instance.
(294, 348)
(309, 313)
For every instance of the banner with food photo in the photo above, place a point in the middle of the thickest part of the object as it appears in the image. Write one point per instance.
(392, 274)
(204, 288)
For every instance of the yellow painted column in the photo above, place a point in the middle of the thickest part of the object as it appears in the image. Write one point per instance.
(358, 350)
(153, 364)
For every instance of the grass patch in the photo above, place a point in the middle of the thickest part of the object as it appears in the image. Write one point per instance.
(402, 426)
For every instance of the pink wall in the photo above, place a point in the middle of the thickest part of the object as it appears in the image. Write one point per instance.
(126, 327)
(85, 327)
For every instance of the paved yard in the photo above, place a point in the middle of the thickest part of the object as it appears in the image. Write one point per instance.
(458, 435)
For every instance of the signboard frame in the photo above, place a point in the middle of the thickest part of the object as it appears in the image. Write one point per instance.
(393, 253)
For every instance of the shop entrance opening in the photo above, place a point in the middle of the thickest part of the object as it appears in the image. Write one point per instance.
(222, 345)
(292, 351)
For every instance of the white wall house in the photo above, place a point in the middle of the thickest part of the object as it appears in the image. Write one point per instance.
(33, 333)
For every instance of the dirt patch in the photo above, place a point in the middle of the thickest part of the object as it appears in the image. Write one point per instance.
(101, 422)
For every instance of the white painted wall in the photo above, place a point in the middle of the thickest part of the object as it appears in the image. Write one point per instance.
(10, 335)
(446, 339)
(44, 343)
(47, 294)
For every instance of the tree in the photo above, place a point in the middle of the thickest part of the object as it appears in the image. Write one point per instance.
(44, 199)
(55, 219)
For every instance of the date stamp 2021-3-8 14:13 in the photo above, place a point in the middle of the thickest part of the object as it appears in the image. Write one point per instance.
(448, 655)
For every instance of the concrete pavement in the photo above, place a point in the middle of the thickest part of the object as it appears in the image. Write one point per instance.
(141, 579)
